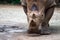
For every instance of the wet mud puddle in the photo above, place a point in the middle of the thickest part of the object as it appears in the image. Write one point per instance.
(8, 33)
(12, 29)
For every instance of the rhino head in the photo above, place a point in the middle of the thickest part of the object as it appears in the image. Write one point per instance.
(35, 14)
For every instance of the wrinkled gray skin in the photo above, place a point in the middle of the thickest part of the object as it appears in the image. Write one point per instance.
(39, 13)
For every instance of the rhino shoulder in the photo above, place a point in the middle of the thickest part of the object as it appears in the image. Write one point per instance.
(50, 3)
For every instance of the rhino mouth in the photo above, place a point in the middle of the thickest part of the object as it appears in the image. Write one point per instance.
(33, 24)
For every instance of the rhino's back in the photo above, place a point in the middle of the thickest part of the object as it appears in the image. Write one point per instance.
(49, 2)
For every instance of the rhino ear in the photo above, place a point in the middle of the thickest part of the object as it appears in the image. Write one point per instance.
(23, 2)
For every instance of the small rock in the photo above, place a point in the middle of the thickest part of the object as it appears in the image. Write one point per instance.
(1, 30)
(14, 26)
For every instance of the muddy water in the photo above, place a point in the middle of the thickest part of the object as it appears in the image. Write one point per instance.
(10, 32)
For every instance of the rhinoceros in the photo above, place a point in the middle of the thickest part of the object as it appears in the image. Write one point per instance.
(39, 13)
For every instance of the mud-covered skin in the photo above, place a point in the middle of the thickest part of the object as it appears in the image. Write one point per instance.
(39, 13)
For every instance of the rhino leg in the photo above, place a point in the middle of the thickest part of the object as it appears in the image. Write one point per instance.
(45, 25)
